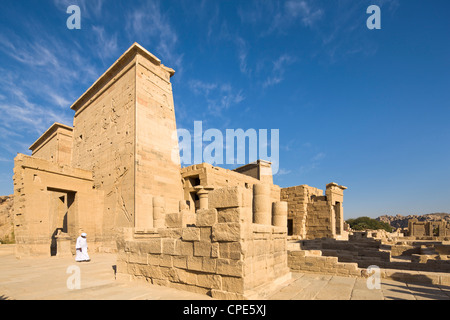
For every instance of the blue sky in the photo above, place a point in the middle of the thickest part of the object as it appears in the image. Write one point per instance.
(368, 109)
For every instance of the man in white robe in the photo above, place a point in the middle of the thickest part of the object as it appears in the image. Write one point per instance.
(81, 249)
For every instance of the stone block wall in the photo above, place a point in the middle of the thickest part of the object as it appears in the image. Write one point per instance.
(313, 214)
(207, 175)
(368, 251)
(434, 229)
(104, 143)
(312, 261)
(55, 144)
(6, 219)
(223, 254)
(320, 222)
(363, 251)
(298, 199)
(50, 197)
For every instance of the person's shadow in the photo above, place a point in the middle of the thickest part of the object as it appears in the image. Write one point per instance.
(114, 267)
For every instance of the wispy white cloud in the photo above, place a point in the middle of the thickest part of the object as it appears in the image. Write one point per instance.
(318, 157)
(313, 163)
(242, 47)
(339, 27)
(283, 172)
(2, 159)
(218, 97)
(278, 70)
(200, 87)
(39, 84)
(33, 54)
(107, 44)
(345, 33)
(25, 115)
(304, 11)
(148, 24)
(280, 16)
(90, 9)
(59, 100)
(294, 11)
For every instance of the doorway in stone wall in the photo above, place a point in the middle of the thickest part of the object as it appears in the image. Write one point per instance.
(337, 214)
(435, 229)
(61, 215)
(290, 227)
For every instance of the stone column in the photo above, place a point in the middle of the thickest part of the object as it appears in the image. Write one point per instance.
(279, 214)
(158, 212)
(202, 193)
(262, 208)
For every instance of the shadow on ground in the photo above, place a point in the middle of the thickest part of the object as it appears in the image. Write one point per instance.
(420, 286)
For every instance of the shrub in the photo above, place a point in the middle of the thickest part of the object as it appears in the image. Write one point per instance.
(366, 223)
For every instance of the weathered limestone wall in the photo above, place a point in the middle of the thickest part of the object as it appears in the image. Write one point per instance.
(298, 198)
(312, 261)
(261, 170)
(335, 196)
(48, 197)
(313, 214)
(366, 251)
(217, 177)
(104, 134)
(125, 132)
(6, 219)
(157, 157)
(49, 150)
(55, 145)
(320, 220)
(222, 254)
(420, 229)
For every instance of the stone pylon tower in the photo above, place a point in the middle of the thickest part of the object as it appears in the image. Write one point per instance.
(125, 132)
(106, 171)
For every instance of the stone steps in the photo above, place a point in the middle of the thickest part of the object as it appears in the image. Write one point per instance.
(313, 261)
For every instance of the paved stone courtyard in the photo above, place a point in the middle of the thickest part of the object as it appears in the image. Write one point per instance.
(46, 279)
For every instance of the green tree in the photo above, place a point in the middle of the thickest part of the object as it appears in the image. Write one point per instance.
(366, 223)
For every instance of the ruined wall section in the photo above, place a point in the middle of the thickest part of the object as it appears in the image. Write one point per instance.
(37, 184)
(158, 166)
(320, 222)
(209, 175)
(223, 253)
(104, 136)
(298, 199)
(6, 219)
(432, 229)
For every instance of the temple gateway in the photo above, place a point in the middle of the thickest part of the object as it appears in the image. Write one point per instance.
(112, 175)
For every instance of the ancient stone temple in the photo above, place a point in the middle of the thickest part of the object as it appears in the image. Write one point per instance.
(116, 175)
(312, 214)
(101, 174)
(430, 229)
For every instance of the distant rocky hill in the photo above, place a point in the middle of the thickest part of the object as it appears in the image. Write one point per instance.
(399, 221)
(6, 219)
